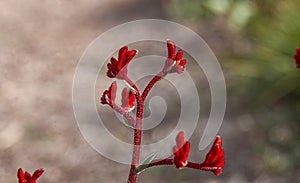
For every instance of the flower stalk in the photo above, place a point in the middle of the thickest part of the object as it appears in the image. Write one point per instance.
(117, 68)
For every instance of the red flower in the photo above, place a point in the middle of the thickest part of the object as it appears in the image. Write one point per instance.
(215, 160)
(297, 58)
(27, 178)
(118, 68)
(128, 100)
(109, 95)
(174, 63)
(181, 151)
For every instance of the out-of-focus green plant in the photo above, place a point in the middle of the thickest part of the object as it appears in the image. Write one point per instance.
(265, 78)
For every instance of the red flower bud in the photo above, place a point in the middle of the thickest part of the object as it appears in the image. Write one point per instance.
(297, 58)
(128, 100)
(110, 94)
(174, 63)
(171, 49)
(27, 178)
(215, 160)
(181, 151)
(118, 68)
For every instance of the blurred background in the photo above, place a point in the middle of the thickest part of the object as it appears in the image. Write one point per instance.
(41, 43)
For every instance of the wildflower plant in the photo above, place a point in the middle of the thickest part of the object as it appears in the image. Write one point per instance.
(132, 98)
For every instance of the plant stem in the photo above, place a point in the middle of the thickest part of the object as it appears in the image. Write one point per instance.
(137, 133)
(137, 144)
(151, 84)
(170, 161)
(139, 122)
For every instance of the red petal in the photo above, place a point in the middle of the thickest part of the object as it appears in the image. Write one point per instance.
(180, 139)
(28, 177)
(103, 98)
(175, 150)
(182, 62)
(122, 53)
(179, 55)
(21, 176)
(131, 99)
(129, 55)
(217, 172)
(186, 150)
(113, 61)
(125, 97)
(112, 68)
(113, 90)
(218, 141)
(37, 173)
(181, 151)
(171, 49)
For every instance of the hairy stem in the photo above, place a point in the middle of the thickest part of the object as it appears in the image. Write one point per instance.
(138, 127)
(137, 133)
(151, 84)
(169, 161)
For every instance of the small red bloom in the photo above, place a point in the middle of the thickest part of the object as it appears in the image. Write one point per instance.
(118, 68)
(215, 160)
(109, 95)
(27, 178)
(297, 58)
(181, 151)
(128, 100)
(174, 63)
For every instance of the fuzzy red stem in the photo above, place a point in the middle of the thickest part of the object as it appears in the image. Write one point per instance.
(159, 162)
(170, 161)
(137, 133)
(151, 84)
(138, 127)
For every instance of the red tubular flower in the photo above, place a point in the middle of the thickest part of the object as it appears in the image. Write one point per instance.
(27, 178)
(181, 151)
(118, 68)
(215, 160)
(109, 95)
(174, 63)
(171, 49)
(297, 58)
(128, 100)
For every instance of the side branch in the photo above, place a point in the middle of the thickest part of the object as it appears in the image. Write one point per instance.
(170, 161)
(151, 84)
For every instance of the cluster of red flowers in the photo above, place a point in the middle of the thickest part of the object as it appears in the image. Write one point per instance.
(181, 151)
(109, 96)
(214, 160)
(117, 68)
(174, 63)
(27, 178)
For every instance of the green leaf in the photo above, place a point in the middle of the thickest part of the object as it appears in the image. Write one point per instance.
(127, 123)
(145, 163)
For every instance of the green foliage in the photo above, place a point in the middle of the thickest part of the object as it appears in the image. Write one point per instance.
(265, 79)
